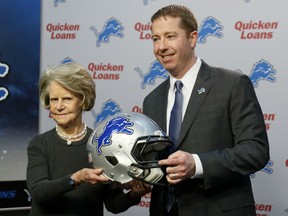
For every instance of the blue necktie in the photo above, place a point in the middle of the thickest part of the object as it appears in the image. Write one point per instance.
(176, 115)
(174, 130)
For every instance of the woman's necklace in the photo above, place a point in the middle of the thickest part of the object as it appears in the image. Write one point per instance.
(70, 138)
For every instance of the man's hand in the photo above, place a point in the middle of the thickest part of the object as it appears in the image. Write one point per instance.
(137, 188)
(180, 166)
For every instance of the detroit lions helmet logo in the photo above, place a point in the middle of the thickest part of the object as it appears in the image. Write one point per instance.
(262, 70)
(209, 27)
(155, 71)
(109, 108)
(112, 27)
(115, 125)
(4, 69)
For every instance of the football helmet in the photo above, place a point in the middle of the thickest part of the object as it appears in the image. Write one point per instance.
(127, 146)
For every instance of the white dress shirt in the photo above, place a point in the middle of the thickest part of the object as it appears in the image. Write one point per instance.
(188, 81)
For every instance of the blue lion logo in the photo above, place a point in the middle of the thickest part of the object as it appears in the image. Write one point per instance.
(267, 169)
(109, 108)
(112, 27)
(145, 2)
(209, 27)
(67, 60)
(117, 125)
(262, 70)
(156, 70)
(4, 69)
(56, 2)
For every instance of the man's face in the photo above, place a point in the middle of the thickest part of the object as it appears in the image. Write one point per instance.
(172, 47)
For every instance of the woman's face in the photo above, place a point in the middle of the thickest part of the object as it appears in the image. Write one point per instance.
(65, 106)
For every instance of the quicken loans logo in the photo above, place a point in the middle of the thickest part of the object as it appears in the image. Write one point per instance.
(256, 30)
(62, 31)
(144, 30)
(263, 209)
(106, 71)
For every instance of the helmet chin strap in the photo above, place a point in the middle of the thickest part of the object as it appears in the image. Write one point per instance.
(150, 174)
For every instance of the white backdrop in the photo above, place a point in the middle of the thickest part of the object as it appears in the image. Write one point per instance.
(251, 37)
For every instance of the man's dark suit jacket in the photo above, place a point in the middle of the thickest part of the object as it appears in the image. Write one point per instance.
(223, 125)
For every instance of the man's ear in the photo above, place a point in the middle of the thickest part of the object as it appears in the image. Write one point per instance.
(193, 38)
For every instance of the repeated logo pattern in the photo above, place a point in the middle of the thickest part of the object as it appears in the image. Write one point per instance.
(209, 27)
(155, 71)
(247, 30)
(262, 70)
(112, 27)
(57, 2)
(109, 108)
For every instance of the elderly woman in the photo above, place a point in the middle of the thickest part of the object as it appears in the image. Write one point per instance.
(59, 176)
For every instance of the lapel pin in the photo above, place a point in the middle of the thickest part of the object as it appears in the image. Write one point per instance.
(200, 91)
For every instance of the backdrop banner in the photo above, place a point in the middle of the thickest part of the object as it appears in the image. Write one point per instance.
(112, 39)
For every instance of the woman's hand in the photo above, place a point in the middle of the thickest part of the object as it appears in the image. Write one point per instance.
(91, 176)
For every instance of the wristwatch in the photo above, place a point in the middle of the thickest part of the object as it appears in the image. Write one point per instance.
(73, 183)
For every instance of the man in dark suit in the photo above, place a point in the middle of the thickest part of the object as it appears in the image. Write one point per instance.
(223, 137)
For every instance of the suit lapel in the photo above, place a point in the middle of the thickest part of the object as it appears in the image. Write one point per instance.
(161, 117)
(201, 89)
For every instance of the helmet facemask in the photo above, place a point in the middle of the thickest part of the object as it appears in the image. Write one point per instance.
(146, 151)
